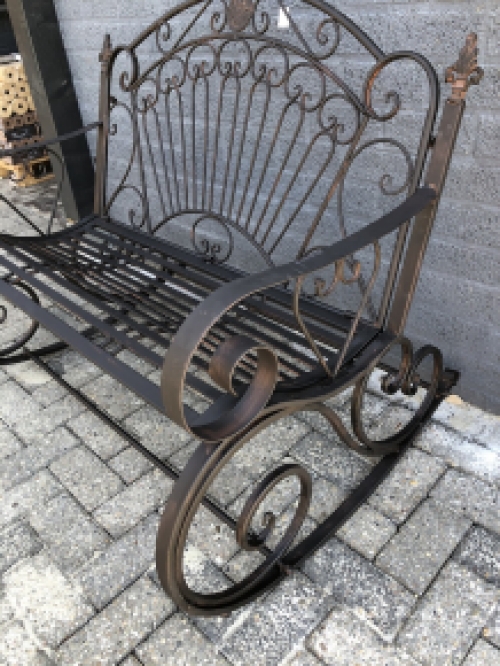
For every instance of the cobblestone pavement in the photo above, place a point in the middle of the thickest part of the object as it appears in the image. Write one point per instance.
(413, 578)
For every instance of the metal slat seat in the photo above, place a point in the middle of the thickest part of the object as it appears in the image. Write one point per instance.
(147, 287)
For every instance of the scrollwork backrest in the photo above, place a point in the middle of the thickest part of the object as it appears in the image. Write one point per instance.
(245, 136)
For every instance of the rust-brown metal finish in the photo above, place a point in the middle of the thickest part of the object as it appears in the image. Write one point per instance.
(236, 134)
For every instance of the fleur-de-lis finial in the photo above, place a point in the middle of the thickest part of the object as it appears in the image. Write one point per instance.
(465, 72)
(239, 14)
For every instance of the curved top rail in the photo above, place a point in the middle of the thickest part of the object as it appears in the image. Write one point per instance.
(321, 5)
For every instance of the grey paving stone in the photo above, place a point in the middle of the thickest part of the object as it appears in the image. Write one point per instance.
(28, 374)
(326, 497)
(340, 404)
(264, 450)
(242, 564)
(301, 658)
(424, 543)
(204, 577)
(34, 431)
(70, 536)
(128, 507)
(480, 553)
(282, 523)
(344, 640)
(212, 537)
(492, 629)
(17, 541)
(6, 610)
(407, 485)
(104, 441)
(483, 654)
(9, 443)
(41, 595)
(449, 618)
(230, 483)
(356, 583)
(130, 465)
(178, 642)
(471, 497)
(18, 647)
(117, 400)
(16, 405)
(181, 457)
(81, 373)
(471, 422)
(108, 574)
(86, 477)
(49, 393)
(19, 501)
(138, 364)
(388, 422)
(367, 531)
(331, 459)
(33, 458)
(131, 661)
(461, 453)
(157, 432)
(278, 624)
(122, 625)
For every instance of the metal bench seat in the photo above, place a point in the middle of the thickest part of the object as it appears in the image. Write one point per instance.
(136, 290)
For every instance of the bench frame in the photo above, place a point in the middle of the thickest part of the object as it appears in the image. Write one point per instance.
(245, 409)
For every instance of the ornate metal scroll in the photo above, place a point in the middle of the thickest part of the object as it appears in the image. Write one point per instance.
(406, 379)
(321, 290)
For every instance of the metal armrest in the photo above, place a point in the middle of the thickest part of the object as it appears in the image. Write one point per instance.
(193, 330)
(49, 142)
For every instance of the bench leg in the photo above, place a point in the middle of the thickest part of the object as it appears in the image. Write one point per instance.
(209, 459)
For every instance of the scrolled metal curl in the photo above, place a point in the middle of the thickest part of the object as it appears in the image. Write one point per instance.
(200, 472)
(163, 33)
(212, 250)
(323, 38)
(249, 541)
(26, 337)
(406, 379)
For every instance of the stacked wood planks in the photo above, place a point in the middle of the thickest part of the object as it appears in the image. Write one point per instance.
(19, 128)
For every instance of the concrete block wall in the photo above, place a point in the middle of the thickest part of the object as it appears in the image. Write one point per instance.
(457, 306)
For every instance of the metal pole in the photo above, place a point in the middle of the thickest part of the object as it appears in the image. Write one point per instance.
(40, 44)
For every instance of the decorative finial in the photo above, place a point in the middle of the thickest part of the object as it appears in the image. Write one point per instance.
(239, 14)
(465, 72)
(106, 49)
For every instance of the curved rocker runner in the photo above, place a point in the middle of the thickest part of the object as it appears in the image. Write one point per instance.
(242, 140)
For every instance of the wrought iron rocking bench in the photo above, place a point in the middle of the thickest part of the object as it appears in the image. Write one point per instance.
(245, 134)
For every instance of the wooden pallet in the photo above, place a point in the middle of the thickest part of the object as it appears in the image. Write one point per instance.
(17, 121)
(21, 133)
(32, 154)
(40, 170)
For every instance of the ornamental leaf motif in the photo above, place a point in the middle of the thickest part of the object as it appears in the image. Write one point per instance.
(239, 14)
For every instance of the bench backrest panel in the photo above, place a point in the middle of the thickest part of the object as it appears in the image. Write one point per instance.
(239, 136)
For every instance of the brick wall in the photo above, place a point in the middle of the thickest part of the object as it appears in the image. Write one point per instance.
(457, 305)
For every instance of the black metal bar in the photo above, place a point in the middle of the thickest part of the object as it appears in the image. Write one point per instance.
(424, 222)
(40, 43)
(51, 142)
(117, 369)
